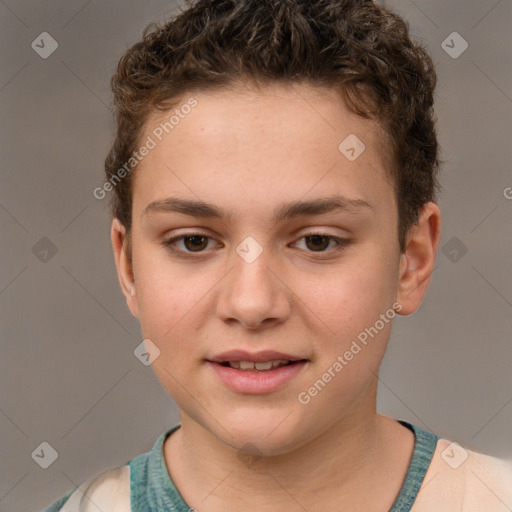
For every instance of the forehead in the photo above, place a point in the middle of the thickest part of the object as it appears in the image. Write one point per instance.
(263, 145)
(304, 111)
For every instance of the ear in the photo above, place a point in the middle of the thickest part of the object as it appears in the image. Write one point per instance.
(124, 267)
(418, 259)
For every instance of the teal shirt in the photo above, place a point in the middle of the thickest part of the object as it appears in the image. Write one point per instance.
(152, 490)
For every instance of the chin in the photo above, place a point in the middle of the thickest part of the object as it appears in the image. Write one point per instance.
(259, 434)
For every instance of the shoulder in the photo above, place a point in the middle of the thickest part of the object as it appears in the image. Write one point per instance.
(109, 490)
(458, 477)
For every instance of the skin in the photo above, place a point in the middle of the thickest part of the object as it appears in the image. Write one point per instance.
(249, 151)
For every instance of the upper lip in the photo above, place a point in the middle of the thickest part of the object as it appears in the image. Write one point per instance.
(255, 357)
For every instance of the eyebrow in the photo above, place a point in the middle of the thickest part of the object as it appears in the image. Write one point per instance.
(335, 203)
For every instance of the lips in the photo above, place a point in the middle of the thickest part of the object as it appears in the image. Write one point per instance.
(251, 366)
(264, 356)
(255, 373)
(253, 381)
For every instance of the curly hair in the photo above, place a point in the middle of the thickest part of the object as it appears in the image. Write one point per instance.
(355, 46)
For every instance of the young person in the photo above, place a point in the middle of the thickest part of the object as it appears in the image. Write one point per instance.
(273, 181)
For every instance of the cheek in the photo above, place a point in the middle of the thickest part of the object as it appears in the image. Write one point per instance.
(173, 307)
(168, 297)
(350, 298)
(350, 338)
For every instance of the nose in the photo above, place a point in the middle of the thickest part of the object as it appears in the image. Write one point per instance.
(253, 294)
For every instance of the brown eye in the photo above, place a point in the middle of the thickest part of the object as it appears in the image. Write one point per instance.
(185, 245)
(197, 242)
(320, 243)
(317, 242)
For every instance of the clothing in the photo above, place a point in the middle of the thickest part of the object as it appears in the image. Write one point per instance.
(442, 477)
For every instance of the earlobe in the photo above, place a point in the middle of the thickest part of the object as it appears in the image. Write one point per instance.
(120, 239)
(418, 259)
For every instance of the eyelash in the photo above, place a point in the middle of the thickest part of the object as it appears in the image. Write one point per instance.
(342, 243)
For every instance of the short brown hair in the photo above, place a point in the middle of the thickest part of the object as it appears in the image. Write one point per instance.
(358, 47)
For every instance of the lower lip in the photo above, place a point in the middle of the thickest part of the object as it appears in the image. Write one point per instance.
(257, 382)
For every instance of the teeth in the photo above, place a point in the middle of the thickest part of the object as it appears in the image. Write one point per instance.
(249, 365)
(263, 366)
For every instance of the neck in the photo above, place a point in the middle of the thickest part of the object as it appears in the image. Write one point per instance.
(348, 460)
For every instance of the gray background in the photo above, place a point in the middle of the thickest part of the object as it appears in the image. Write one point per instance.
(67, 369)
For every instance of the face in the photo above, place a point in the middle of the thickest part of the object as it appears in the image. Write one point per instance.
(295, 258)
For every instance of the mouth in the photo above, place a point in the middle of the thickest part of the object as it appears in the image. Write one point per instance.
(257, 377)
(255, 373)
(263, 366)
